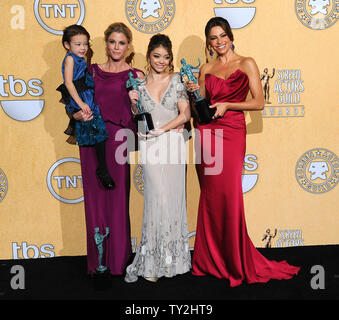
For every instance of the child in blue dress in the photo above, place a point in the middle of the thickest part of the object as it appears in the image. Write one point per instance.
(78, 94)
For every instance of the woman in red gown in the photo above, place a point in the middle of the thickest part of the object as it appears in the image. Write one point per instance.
(222, 245)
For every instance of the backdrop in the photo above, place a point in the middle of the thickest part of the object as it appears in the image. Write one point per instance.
(291, 166)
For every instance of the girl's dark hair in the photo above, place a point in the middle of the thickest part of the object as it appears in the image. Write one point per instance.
(217, 22)
(160, 40)
(122, 28)
(74, 30)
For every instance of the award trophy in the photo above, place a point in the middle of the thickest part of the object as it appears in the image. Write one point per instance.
(201, 105)
(101, 274)
(144, 119)
(99, 239)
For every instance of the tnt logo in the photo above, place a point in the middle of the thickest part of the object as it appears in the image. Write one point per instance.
(64, 180)
(54, 17)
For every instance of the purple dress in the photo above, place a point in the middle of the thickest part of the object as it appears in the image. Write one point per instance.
(109, 208)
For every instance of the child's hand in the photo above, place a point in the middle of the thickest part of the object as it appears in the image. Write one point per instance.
(82, 116)
(85, 108)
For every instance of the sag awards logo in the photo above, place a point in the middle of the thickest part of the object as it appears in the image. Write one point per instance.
(286, 238)
(21, 109)
(237, 16)
(150, 16)
(54, 17)
(317, 170)
(3, 185)
(317, 14)
(249, 180)
(64, 180)
(287, 90)
(138, 178)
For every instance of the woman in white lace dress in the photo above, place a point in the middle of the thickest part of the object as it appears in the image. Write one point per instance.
(164, 249)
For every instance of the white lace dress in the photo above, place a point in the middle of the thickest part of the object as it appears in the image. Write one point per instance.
(164, 248)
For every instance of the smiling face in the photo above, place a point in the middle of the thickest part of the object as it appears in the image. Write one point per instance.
(159, 59)
(219, 40)
(78, 45)
(117, 46)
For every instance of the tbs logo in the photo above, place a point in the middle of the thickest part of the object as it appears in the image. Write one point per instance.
(32, 251)
(21, 109)
(237, 16)
(249, 180)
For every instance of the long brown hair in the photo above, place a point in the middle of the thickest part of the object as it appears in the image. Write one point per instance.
(216, 22)
(122, 28)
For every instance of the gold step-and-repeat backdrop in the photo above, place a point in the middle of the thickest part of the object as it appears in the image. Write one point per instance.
(291, 166)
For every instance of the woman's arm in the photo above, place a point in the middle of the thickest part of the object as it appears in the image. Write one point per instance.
(192, 87)
(183, 116)
(68, 72)
(257, 102)
(201, 80)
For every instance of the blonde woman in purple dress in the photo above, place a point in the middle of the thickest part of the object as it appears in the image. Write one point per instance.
(110, 208)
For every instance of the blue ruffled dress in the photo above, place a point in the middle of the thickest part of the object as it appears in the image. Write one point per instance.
(90, 132)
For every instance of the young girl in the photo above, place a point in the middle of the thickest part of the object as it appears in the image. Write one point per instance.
(78, 94)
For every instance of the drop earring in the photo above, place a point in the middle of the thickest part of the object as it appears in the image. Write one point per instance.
(211, 52)
(232, 47)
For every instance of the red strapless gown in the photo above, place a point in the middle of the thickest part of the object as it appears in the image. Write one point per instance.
(222, 245)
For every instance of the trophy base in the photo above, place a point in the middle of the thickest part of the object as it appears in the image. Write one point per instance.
(101, 269)
(101, 280)
(203, 111)
(144, 122)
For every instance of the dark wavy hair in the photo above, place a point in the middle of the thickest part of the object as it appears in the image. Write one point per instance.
(217, 22)
(160, 40)
(74, 30)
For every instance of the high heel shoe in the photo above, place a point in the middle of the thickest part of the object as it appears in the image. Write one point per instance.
(152, 279)
(105, 179)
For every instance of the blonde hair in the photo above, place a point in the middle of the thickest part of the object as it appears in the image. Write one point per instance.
(122, 28)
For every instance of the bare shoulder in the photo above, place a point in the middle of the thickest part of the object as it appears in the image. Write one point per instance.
(248, 64)
(205, 68)
(69, 59)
